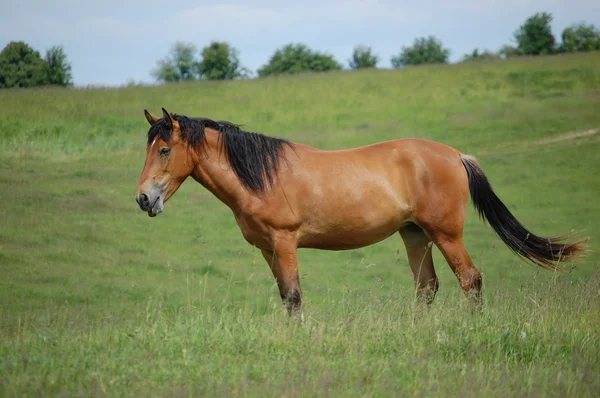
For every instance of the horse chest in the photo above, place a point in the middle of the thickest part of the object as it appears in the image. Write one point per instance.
(253, 232)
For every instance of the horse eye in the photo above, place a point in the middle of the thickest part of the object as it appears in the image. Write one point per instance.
(164, 151)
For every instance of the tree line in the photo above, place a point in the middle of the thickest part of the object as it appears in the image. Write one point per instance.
(21, 66)
(220, 61)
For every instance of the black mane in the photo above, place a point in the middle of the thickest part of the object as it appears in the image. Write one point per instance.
(255, 158)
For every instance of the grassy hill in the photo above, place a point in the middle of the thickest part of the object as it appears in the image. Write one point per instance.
(98, 299)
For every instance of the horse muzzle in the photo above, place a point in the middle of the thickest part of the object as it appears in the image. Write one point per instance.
(151, 201)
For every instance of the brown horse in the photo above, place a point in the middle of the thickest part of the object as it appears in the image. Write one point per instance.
(286, 196)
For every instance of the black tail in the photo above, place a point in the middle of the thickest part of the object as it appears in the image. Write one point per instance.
(545, 252)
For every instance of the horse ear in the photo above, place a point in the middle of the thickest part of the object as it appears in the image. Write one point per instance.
(151, 119)
(168, 118)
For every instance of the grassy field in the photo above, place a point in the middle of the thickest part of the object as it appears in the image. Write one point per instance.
(96, 299)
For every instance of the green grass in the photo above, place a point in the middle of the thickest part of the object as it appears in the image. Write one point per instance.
(98, 299)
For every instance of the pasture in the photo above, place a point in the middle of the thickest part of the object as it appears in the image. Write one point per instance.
(97, 299)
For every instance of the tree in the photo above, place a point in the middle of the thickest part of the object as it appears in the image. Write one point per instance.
(479, 56)
(21, 66)
(296, 58)
(220, 61)
(363, 57)
(423, 51)
(58, 70)
(580, 37)
(535, 36)
(180, 65)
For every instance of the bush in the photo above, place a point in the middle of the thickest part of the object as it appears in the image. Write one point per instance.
(423, 51)
(507, 51)
(296, 58)
(479, 56)
(363, 57)
(580, 37)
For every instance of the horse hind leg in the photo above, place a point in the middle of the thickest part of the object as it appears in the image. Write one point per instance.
(455, 253)
(418, 249)
(442, 218)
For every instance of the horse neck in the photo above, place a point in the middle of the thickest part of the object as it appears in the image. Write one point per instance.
(214, 172)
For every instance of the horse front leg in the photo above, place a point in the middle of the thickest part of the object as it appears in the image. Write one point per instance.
(283, 261)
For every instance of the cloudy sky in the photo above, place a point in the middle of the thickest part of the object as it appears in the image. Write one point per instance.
(110, 42)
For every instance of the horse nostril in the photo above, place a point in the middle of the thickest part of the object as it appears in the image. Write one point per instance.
(142, 200)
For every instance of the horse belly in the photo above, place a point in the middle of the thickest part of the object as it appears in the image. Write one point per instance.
(343, 242)
(360, 199)
(352, 228)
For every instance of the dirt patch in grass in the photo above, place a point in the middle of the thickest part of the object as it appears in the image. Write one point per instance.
(571, 135)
